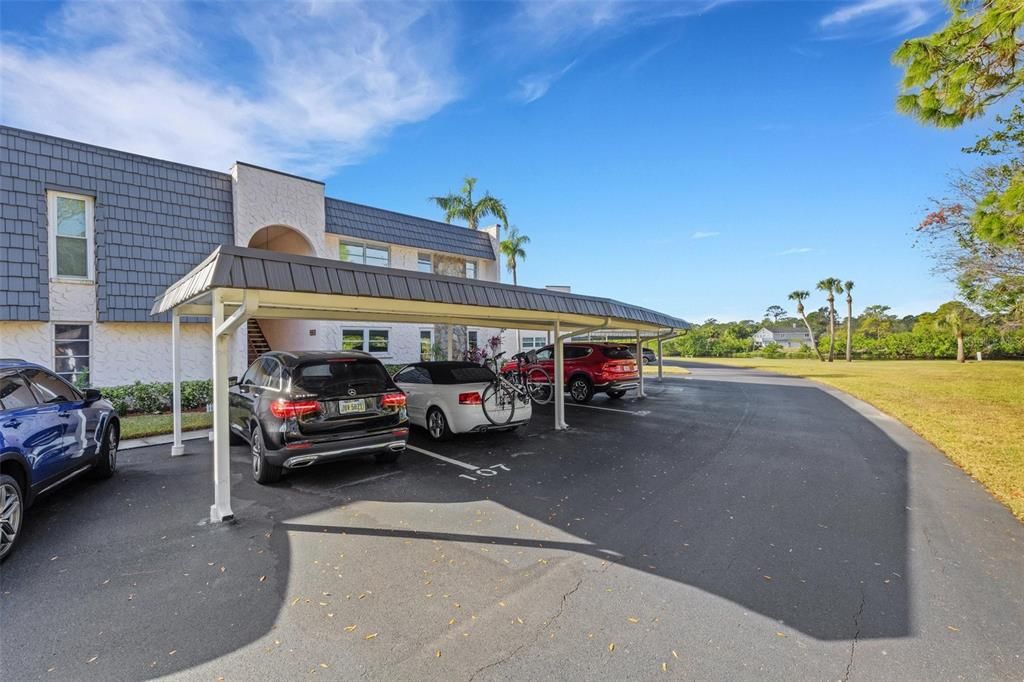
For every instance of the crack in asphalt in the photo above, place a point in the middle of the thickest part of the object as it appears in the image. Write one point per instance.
(856, 636)
(547, 625)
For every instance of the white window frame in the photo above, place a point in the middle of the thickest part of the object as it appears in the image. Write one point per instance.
(365, 331)
(470, 335)
(476, 269)
(430, 345)
(53, 348)
(90, 234)
(534, 338)
(364, 246)
(424, 256)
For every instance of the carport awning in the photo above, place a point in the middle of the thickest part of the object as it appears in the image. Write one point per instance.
(291, 286)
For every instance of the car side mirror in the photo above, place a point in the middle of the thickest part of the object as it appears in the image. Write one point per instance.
(92, 395)
(232, 381)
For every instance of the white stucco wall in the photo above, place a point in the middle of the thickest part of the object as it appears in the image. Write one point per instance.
(126, 352)
(27, 340)
(262, 197)
(72, 301)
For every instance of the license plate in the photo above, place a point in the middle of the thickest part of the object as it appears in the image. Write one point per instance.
(340, 407)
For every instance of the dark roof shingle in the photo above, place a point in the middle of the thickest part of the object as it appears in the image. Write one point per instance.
(377, 224)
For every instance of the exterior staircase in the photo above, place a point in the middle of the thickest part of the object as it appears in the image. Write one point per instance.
(257, 342)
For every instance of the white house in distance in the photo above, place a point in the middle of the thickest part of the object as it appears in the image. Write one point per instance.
(786, 336)
(92, 235)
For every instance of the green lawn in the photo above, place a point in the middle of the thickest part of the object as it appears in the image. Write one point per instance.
(142, 425)
(973, 412)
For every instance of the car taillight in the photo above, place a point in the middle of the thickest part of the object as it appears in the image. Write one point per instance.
(392, 400)
(290, 409)
(471, 398)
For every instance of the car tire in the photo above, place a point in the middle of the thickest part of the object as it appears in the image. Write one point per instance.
(437, 425)
(263, 472)
(12, 513)
(580, 389)
(106, 460)
(615, 395)
(387, 457)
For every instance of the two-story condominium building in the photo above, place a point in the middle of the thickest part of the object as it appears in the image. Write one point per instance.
(91, 235)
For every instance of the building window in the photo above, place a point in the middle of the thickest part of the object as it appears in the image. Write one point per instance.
(372, 340)
(71, 226)
(364, 254)
(71, 352)
(426, 344)
(378, 340)
(424, 262)
(473, 338)
(534, 342)
(471, 269)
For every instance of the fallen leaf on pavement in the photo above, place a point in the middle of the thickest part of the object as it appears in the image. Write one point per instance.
(633, 620)
(372, 635)
(350, 628)
(611, 647)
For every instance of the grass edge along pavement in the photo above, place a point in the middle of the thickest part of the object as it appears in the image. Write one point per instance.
(973, 413)
(143, 425)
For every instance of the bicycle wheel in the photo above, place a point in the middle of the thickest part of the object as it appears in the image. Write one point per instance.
(538, 383)
(499, 403)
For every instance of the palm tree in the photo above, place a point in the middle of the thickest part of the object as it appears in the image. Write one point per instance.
(462, 207)
(512, 248)
(848, 285)
(955, 322)
(799, 297)
(830, 285)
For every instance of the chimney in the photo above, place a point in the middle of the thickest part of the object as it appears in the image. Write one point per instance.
(494, 232)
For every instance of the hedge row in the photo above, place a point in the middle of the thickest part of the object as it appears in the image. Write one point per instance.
(156, 397)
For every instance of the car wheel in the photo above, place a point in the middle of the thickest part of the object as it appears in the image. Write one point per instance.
(437, 425)
(615, 395)
(262, 471)
(106, 461)
(581, 390)
(387, 457)
(11, 507)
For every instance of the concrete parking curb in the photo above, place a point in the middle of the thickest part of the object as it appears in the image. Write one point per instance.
(165, 439)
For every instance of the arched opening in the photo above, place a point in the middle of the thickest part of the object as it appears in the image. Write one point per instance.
(264, 335)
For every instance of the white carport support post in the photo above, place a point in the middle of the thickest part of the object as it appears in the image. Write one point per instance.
(177, 448)
(661, 365)
(640, 364)
(560, 424)
(451, 342)
(222, 329)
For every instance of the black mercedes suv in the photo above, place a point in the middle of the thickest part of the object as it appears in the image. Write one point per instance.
(303, 408)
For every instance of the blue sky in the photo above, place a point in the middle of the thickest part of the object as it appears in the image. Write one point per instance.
(702, 158)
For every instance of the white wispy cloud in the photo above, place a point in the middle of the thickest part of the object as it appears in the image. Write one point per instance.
(790, 252)
(533, 87)
(891, 17)
(317, 85)
(704, 235)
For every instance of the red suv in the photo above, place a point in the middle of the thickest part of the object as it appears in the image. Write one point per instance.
(589, 368)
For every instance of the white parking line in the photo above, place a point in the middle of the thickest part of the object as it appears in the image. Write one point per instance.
(638, 413)
(428, 453)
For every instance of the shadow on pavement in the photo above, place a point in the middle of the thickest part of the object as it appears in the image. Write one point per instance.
(778, 498)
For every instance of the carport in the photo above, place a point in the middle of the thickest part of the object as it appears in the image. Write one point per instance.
(234, 284)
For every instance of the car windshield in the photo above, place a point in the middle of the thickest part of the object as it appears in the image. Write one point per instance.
(340, 376)
(618, 353)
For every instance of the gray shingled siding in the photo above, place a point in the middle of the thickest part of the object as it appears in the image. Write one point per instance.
(155, 221)
(375, 224)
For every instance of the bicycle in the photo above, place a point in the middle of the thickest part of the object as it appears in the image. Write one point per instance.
(518, 385)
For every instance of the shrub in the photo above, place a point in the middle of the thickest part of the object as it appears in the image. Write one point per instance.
(157, 397)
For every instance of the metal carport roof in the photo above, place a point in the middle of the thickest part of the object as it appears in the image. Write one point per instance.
(234, 284)
(299, 282)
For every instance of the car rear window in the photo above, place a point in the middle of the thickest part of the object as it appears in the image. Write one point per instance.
(460, 373)
(617, 352)
(328, 378)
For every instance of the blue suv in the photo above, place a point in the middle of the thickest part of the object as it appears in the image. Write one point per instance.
(50, 433)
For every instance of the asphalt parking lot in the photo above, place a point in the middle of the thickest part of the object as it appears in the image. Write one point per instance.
(733, 525)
